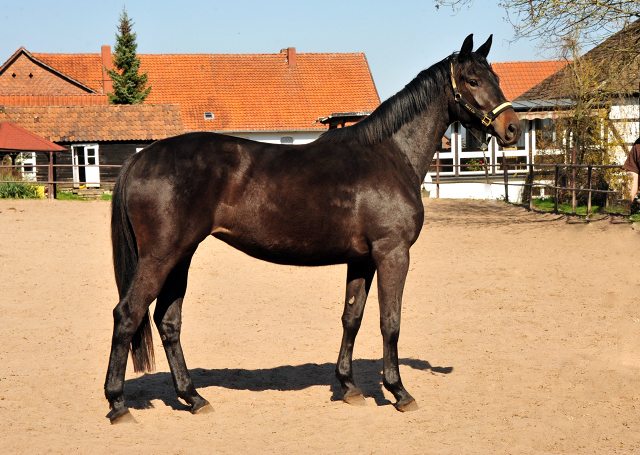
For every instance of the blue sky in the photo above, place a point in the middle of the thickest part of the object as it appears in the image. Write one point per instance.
(399, 37)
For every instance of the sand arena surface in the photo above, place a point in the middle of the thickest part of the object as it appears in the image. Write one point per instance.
(520, 334)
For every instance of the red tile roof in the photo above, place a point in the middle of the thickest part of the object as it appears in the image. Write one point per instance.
(263, 92)
(12, 137)
(518, 77)
(244, 92)
(613, 67)
(53, 100)
(97, 123)
(84, 68)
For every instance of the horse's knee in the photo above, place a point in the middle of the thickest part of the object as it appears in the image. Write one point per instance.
(351, 322)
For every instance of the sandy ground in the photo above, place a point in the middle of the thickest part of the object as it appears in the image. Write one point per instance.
(520, 334)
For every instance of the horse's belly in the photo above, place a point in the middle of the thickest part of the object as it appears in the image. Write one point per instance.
(306, 250)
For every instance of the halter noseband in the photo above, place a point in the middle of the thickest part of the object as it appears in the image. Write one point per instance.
(485, 119)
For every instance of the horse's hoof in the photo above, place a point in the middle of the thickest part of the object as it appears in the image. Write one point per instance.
(122, 417)
(356, 399)
(204, 409)
(408, 406)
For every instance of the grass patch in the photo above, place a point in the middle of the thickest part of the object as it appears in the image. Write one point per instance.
(547, 205)
(68, 196)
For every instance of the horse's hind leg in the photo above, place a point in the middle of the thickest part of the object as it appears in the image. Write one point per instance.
(168, 319)
(127, 316)
(359, 277)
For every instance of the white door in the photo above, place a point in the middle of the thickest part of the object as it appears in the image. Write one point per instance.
(92, 171)
(85, 165)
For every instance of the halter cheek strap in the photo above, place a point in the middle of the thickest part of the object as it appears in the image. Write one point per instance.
(485, 119)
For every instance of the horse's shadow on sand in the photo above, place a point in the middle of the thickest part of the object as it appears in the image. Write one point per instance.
(141, 391)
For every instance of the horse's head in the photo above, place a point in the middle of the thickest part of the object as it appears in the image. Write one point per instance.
(479, 101)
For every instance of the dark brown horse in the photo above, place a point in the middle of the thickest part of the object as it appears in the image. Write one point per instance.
(352, 196)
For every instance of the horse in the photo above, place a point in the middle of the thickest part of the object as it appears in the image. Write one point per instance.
(351, 197)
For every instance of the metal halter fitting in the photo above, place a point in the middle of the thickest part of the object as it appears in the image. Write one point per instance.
(485, 119)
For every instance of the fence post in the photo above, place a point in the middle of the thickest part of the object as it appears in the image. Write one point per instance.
(506, 178)
(589, 187)
(438, 173)
(456, 152)
(530, 180)
(555, 193)
(50, 178)
(492, 144)
(574, 202)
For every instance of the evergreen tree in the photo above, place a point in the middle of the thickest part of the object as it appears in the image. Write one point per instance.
(129, 87)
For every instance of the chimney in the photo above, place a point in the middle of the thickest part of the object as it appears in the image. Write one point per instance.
(107, 63)
(291, 57)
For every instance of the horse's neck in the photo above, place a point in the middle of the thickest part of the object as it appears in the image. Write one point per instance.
(419, 138)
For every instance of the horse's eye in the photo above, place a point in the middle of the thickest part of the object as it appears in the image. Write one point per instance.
(473, 83)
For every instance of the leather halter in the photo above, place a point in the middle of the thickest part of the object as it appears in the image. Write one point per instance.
(485, 119)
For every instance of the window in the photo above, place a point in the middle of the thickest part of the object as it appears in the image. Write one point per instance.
(521, 145)
(445, 143)
(286, 140)
(545, 133)
(209, 116)
(28, 160)
(471, 139)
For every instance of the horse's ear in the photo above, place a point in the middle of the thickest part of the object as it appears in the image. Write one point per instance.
(466, 48)
(486, 47)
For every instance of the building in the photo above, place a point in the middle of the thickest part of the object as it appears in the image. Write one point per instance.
(275, 98)
(613, 67)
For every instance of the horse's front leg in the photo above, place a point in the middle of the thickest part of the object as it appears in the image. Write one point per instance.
(359, 277)
(392, 264)
(168, 319)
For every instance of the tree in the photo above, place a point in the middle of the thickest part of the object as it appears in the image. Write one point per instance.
(592, 86)
(583, 21)
(556, 21)
(129, 87)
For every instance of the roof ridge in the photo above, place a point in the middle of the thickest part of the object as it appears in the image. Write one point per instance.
(532, 61)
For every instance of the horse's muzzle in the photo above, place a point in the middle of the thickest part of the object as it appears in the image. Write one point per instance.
(507, 130)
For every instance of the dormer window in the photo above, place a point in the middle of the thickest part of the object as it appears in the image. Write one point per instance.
(209, 116)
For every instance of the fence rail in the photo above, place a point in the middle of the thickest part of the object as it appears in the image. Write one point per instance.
(51, 183)
(530, 183)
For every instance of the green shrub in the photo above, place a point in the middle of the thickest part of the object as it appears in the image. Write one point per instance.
(17, 190)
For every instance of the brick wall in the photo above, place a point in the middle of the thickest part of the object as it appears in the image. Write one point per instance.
(24, 76)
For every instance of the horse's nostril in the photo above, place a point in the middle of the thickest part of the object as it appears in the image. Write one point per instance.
(512, 128)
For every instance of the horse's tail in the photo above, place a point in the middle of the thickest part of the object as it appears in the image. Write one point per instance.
(125, 261)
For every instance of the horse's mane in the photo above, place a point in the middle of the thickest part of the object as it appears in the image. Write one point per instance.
(402, 107)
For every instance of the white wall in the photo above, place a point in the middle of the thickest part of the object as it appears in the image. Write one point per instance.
(474, 191)
(299, 137)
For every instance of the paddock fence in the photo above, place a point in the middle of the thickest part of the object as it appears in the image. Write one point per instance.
(530, 170)
(508, 169)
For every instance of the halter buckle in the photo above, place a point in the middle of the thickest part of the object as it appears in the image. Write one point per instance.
(486, 120)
